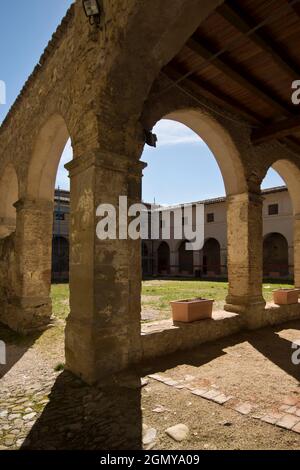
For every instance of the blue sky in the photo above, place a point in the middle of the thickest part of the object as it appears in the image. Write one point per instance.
(180, 169)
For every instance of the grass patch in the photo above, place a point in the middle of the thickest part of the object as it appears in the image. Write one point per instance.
(157, 294)
(59, 367)
(60, 300)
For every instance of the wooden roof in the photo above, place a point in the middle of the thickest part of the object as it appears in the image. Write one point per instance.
(244, 57)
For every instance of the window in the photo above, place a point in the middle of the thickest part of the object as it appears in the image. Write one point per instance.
(210, 217)
(59, 216)
(273, 209)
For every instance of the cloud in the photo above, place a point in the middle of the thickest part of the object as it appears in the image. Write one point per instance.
(174, 133)
(62, 179)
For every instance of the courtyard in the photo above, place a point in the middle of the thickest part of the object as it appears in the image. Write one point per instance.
(157, 294)
(241, 392)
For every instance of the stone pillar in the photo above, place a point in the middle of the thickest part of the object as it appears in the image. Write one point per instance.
(297, 250)
(244, 235)
(29, 303)
(103, 329)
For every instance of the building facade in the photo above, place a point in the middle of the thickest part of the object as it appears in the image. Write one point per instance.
(60, 240)
(169, 257)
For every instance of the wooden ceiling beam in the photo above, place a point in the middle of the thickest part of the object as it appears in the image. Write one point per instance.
(200, 88)
(276, 130)
(296, 7)
(235, 72)
(240, 21)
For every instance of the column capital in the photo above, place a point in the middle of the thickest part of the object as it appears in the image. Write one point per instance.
(106, 160)
(34, 205)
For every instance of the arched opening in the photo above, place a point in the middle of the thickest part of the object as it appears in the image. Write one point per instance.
(211, 258)
(60, 259)
(186, 260)
(281, 203)
(163, 259)
(50, 211)
(211, 170)
(275, 255)
(8, 197)
(50, 144)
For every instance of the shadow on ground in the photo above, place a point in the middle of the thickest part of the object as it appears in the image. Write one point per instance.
(16, 346)
(110, 417)
(83, 417)
(267, 341)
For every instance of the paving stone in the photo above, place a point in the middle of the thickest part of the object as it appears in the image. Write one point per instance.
(14, 416)
(211, 394)
(284, 408)
(20, 442)
(3, 414)
(288, 421)
(221, 399)
(199, 391)
(290, 401)
(9, 440)
(296, 428)
(28, 410)
(29, 416)
(292, 410)
(179, 432)
(272, 418)
(298, 412)
(243, 408)
(18, 423)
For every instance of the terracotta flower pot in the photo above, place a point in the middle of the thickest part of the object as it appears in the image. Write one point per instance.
(286, 296)
(190, 310)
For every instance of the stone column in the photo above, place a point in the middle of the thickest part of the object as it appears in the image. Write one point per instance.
(244, 235)
(297, 250)
(29, 305)
(103, 328)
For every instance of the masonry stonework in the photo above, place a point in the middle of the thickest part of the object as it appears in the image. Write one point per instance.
(99, 87)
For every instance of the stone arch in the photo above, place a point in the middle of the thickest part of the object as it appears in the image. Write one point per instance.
(9, 195)
(163, 258)
(219, 141)
(211, 256)
(186, 259)
(44, 162)
(290, 173)
(275, 255)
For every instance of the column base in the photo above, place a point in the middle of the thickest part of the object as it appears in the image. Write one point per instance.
(250, 308)
(26, 315)
(93, 353)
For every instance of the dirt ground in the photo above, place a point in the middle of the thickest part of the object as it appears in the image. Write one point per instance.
(44, 408)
